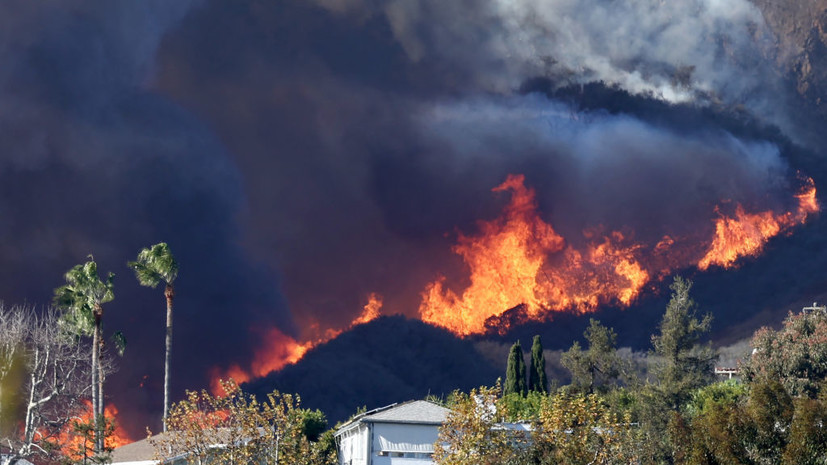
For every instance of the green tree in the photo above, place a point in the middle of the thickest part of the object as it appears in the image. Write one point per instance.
(597, 366)
(680, 365)
(683, 364)
(82, 299)
(770, 411)
(537, 379)
(154, 265)
(313, 424)
(565, 429)
(796, 354)
(718, 425)
(515, 381)
(516, 407)
(808, 435)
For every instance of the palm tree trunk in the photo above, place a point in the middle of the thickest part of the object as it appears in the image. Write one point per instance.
(95, 375)
(101, 377)
(98, 409)
(169, 293)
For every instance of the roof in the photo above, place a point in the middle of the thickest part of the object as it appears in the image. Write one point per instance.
(420, 412)
(138, 451)
(143, 452)
(416, 411)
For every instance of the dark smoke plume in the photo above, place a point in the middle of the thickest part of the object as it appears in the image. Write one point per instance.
(95, 162)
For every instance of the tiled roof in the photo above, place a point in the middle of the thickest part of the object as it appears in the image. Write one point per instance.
(416, 411)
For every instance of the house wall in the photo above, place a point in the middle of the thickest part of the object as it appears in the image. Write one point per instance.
(403, 444)
(353, 446)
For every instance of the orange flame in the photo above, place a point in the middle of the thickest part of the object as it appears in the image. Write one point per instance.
(746, 233)
(119, 437)
(71, 443)
(509, 264)
(519, 260)
(370, 311)
(281, 350)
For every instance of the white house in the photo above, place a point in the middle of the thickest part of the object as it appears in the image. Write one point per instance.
(399, 434)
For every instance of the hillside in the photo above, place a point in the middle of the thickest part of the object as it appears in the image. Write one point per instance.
(391, 359)
(800, 28)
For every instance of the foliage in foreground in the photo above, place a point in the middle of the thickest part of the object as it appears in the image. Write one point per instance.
(776, 415)
(565, 429)
(44, 387)
(276, 430)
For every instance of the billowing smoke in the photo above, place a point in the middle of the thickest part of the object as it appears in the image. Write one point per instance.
(304, 155)
(616, 171)
(94, 162)
(695, 51)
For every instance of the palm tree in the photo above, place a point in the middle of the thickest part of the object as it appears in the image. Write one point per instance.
(156, 264)
(82, 299)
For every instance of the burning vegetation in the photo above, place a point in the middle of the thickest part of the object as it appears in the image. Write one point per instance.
(518, 259)
(76, 439)
(281, 350)
(744, 234)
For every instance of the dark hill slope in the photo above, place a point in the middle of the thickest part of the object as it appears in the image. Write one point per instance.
(391, 359)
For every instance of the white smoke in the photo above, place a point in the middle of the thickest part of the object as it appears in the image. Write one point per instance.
(678, 51)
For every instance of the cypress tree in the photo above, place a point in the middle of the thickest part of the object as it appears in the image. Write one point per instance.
(537, 379)
(515, 372)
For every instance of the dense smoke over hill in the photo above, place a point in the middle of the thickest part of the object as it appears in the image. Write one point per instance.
(299, 156)
(679, 51)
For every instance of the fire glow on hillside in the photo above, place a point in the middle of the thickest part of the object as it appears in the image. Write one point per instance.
(519, 259)
(281, 349)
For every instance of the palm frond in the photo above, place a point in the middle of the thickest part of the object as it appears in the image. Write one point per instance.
(155, 264)
(82, 292)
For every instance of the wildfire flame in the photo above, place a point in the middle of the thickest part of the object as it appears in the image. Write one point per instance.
(518, 259)
(281, 350)
(71, 444)
(745, 234)
(370, 311)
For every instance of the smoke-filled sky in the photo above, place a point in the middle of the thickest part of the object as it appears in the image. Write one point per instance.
(299, 155)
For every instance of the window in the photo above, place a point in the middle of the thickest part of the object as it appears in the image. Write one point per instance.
(410, 455)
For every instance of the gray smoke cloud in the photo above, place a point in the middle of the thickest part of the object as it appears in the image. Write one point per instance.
(699, 51)
(615, 171)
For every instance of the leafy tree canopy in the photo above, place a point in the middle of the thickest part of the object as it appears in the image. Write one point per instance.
(796, 354)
